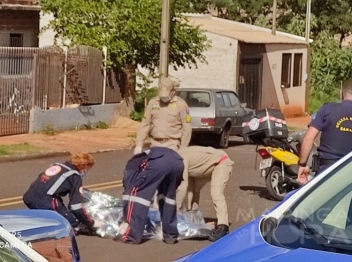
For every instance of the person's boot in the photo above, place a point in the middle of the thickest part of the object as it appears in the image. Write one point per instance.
(218, 232)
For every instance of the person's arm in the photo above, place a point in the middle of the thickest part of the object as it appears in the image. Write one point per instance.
(144, 128)
(307, 145)
(181, 192)
(76, 202)
(186, 123)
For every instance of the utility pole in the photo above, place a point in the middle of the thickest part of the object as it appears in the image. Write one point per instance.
(308, 14)
(273, 29)
(165, 39)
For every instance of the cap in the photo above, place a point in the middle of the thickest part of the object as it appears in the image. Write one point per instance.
(166, 85)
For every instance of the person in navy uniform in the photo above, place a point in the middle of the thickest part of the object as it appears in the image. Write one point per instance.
(334, 121)
(158, 168)
(57, 181)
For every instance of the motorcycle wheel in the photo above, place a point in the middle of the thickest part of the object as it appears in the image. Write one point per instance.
(273, 182)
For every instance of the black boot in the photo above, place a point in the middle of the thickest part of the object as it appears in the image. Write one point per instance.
(218, 232)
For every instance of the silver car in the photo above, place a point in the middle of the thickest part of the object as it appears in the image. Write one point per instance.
(216, 114)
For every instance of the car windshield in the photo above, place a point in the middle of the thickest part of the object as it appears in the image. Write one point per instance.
(195, 98)
(323, 214)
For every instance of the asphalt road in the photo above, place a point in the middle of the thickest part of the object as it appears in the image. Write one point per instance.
(246, 196)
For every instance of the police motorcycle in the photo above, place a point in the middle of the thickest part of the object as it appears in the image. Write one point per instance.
(278, 149)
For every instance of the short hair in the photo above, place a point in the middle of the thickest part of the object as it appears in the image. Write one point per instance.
(347, 87)
(82, 161)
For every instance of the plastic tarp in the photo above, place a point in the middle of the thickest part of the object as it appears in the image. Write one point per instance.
(108, 210)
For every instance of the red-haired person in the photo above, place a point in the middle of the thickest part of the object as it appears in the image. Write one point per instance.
(57, 181)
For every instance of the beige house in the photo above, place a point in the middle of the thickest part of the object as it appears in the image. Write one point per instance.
(265, 70)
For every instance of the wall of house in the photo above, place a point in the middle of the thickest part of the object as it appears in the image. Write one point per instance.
(292, 101)
(19, 22)
(72, 118)
(46, 37)
(219, 72)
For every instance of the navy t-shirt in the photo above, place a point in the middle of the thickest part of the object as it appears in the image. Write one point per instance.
(334, 120)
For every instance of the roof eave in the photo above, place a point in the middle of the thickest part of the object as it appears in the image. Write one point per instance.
(20, 7)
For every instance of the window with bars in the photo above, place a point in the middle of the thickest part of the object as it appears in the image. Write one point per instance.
(16, 63)
(291, 70)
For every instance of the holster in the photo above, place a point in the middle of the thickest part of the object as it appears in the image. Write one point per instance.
(315, 162)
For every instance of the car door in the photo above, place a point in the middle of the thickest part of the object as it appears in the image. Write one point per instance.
(228, 112)
(238, 112)
(220, 116)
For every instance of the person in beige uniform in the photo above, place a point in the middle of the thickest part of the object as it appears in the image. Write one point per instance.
(166, 120)
(201, 165)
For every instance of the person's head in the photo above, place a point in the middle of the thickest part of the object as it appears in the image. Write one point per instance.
(82, 161)
(346, 91)
(166, 89)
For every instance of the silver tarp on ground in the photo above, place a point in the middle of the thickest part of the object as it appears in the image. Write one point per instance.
(108, 209)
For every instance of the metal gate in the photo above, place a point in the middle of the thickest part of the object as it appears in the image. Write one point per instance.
(16, 85)
(249, 82)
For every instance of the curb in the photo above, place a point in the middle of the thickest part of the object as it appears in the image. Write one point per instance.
(16, 158)
(24, 157)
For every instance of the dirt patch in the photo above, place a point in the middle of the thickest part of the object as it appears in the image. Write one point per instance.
(125, 122)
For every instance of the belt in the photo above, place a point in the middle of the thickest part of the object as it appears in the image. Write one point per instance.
(163, 140)
(327, 162)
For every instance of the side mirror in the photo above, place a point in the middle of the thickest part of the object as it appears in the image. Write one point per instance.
(243, 105)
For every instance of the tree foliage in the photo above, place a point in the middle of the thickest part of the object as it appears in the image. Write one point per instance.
(129, 28)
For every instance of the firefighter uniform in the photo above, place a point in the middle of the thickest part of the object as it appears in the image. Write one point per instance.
(167, 122)
(47, 190)
(159, 169)
(203, 165)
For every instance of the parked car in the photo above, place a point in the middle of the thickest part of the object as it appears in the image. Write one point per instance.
(36, 235)
(215, 113)
(313, 223)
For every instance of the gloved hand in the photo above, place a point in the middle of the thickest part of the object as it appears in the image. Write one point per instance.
(137, 150)
(97, 224)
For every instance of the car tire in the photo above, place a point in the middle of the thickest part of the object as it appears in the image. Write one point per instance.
(223, 141)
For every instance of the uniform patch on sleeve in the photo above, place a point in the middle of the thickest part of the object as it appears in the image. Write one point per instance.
(188, 119)
(53, 170)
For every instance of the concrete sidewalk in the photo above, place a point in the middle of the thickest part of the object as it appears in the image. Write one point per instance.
(119, 137)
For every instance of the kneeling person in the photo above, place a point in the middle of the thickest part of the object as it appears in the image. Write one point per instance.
(158, 168)
(57, 181)
(203, 165)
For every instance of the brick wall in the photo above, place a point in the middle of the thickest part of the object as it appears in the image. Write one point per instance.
(19, 22)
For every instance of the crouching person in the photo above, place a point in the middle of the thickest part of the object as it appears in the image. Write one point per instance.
(158, 168)
(57, 181)
(203, 165)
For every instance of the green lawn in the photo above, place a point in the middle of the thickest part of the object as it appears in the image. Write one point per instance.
(19, 149)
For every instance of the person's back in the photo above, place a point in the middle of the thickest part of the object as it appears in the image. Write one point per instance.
(335, 122)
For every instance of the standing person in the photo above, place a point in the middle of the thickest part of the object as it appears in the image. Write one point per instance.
(334, 121)
(156, 168)
(57, 181)
(203, 165)
(166, 120)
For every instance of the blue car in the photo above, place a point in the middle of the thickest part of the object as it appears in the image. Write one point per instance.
(36, 235)
(312, 223)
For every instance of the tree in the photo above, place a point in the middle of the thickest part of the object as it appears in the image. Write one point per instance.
(129, 28)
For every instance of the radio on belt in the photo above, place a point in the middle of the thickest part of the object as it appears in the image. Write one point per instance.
(264, 123)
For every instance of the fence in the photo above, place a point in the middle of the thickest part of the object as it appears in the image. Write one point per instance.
(51, 77)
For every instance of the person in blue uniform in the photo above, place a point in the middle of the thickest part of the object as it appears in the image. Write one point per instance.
(57, 181)
(334, 121)
(158, 168)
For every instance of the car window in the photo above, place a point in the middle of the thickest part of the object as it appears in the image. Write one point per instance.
(234, 100)
(226, 99)
(219, 99)
(8, 253)
(328, 206)
(195, 98)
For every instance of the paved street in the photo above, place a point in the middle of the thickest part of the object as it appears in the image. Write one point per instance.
(246, 196)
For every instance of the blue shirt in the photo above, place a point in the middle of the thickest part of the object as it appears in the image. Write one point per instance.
(334, 120)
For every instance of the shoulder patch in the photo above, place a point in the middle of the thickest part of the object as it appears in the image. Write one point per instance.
(188, 119)
(53, 171)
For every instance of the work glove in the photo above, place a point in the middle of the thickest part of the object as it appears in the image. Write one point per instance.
(97, 224)
(137, 150)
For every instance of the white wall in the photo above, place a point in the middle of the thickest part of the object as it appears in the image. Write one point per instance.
(46, 37)
(29, 37)
(220, 72)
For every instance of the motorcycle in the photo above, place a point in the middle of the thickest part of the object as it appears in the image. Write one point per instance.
(279, 164)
